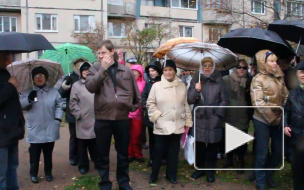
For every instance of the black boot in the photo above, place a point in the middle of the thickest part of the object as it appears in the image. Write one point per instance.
(210, 176)
(240, 164)
(197, 174)
(251, 177)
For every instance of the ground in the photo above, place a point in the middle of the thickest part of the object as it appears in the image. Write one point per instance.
(67, 177)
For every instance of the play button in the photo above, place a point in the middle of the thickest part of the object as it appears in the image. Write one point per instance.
(235, 138)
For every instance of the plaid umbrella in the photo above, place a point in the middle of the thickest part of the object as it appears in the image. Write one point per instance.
(22, 71)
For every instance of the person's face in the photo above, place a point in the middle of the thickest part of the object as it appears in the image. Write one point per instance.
(39, 79)
(84, 73)
(101, 52)
(120, 52)
(136, 74)
(169, 73)
(185, 73)
(272, 62)
(129, 64)
(242, 69)
(300, 74)
(153, 73)
(207, 68)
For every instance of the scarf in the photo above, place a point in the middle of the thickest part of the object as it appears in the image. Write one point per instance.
(241, 81)
(302, 86)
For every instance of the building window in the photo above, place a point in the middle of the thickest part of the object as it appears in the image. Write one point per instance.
(218, 4)
(295, 8)
(84, 23)
(116, 2)
(215, 33)
(258, 7)
(147, 2)
(46, 22)
(185, 31)
(116, 29)
(39, 53)
(8, 24)
(187, 4)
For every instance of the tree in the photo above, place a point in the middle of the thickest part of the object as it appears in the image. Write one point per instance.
(147, 39)
(90, 38)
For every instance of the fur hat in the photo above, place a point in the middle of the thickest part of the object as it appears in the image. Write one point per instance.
(41, 70)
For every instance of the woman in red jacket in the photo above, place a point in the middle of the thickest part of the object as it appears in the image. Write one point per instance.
(135, 146)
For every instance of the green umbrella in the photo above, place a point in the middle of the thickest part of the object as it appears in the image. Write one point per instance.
(65, 53)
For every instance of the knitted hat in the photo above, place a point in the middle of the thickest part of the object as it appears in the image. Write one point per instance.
(170, 63)
(84, 66)
(131, 60)
(41, 70)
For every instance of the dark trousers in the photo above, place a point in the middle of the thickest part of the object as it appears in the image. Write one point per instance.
(35, 151)
(297, 164)
(205, 155)
(104, 129)
(85, 146)
(239, 151)
(263, 133)
(151, 142)
(169, 144)
(73, 143)
(9, 162)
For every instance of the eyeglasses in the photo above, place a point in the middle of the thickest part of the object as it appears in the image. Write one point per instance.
(240, 67)
(207, 66)
(39, 76)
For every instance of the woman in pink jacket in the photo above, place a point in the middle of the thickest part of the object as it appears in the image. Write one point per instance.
(135, 149)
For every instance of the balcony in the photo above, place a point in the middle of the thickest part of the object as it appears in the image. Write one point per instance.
(124, 9)
(10, 6)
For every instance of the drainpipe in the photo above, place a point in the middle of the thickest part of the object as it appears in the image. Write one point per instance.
(27, 23)
(244, 14)
(200, 17)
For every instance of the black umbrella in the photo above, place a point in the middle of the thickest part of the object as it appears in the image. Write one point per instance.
(248, 41)
(16, 42)
(289, 30)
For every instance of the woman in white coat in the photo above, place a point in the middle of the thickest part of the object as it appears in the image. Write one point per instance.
(168, 109)
(82, 108)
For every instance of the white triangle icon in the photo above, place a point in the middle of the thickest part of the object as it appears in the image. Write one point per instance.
(235, 138)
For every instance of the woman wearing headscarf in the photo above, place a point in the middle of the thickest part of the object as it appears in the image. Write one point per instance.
(238, 117)
(82, 108)
(267, 89)
(170, 112)
(154, 72)
(207, 90)
(135, 146)
(43, 106)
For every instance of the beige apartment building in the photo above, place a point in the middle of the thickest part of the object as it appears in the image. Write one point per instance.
(206, 20)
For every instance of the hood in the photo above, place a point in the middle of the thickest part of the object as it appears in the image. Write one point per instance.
(82, 66)
(140, 69)
(202, 72)
(140, 80)
(156, 66)
(74, 66)
(263, 67)
(4, 75)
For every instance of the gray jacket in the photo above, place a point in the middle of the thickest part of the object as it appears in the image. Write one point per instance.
(82, 107)
(40, 116)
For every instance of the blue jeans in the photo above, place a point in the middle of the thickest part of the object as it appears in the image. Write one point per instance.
(263, 133)
(9, 162)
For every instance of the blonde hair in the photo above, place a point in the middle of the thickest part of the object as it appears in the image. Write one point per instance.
(207, 59)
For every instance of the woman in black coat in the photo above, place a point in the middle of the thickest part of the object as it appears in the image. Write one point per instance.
(294, 127)
(154, 72)
(208, 91)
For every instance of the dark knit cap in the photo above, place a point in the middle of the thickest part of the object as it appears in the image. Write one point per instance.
(84, 66)
(170, 63)
(41, 70)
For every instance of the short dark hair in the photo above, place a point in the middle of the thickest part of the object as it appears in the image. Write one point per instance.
(107, 44)
(242, 61)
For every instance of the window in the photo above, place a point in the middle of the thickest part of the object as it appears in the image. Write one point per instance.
(187, 4)
(8, 24)
(186, 31)
(217, 4)
(295, 8)
(116, 2)
(215, 33)
(46, 22)
(147, 2)
(84, 23)
(39, 53)
(258, 7)
(158, 3)
(116, 29)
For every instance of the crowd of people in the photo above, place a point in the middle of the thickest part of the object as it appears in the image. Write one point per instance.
(114, 98)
